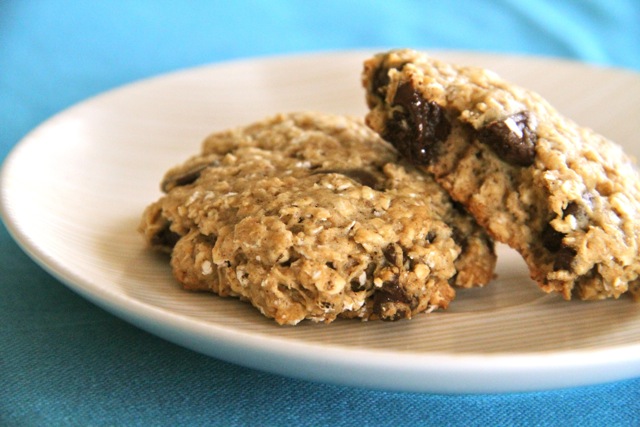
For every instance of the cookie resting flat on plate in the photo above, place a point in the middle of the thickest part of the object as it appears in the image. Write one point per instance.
(563, 196)
(314, 216)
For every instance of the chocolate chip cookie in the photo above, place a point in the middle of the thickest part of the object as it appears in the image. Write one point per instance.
(314, 216)
(563, 196)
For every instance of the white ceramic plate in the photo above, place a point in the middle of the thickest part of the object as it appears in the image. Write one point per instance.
(73, 191)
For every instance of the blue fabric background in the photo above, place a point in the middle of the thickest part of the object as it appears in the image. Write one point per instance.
(64, 361)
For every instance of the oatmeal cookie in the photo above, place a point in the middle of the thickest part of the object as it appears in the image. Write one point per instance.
(563, 196)
(313, 216)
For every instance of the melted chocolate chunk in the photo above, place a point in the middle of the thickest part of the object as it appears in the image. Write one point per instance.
(512, 139)
(417, 127)
(391, 292)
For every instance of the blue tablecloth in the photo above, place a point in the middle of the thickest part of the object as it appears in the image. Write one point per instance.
(63, 361)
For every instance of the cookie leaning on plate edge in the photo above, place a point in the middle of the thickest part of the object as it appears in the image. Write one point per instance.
(563, 196)
(313, 216)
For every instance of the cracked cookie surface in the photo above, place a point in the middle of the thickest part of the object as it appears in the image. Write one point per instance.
(563, 196)
(313, 216)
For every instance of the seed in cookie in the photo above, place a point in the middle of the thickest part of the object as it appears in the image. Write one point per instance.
(314, 216)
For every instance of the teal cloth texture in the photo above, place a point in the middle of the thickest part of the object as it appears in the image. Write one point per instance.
(64, 361)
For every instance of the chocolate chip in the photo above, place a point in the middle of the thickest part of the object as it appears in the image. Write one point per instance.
(512, 139)
(390, 293)
(417, 127)
(563, 258)
(551, 239)
(165, 238)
